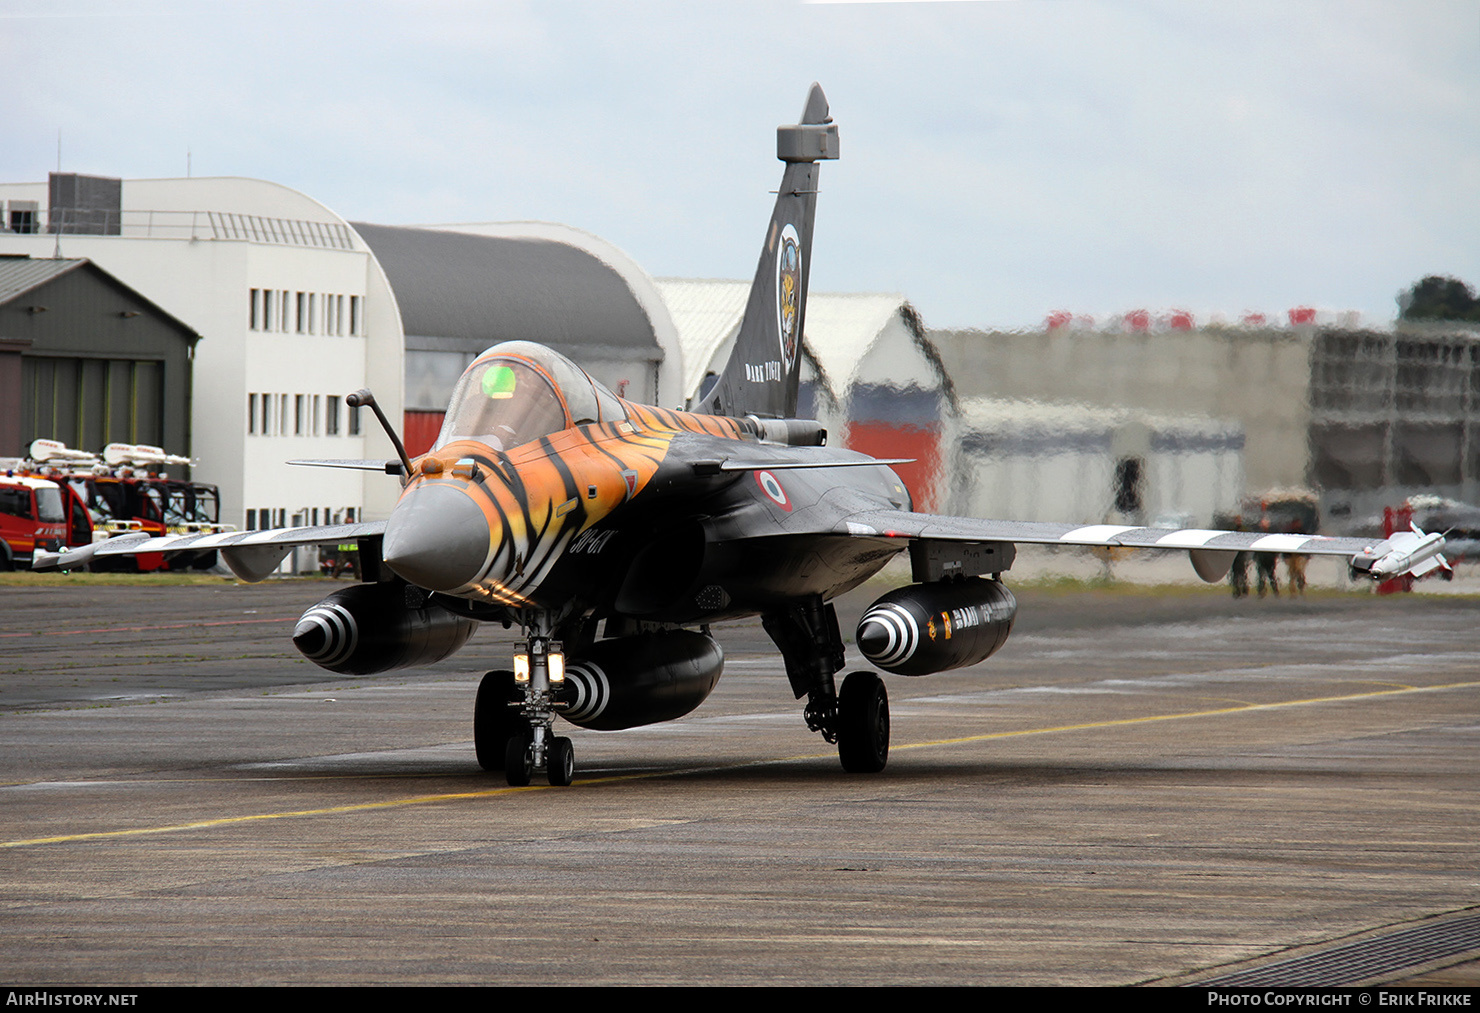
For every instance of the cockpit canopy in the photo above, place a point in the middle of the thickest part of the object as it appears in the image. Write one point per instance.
(519, 391)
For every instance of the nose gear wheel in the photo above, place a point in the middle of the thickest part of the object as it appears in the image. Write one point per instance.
(530, 743)
(494, 720)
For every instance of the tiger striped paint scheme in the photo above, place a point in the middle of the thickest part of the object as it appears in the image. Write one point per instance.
(538, 497)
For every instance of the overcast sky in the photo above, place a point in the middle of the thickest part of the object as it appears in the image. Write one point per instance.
(999, 159)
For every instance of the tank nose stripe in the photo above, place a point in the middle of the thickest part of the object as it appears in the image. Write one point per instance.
(900, 634)
(592, 691)
(339, 632)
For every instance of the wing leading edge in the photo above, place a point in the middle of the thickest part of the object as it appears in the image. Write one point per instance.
(1212, 551)
(252, 555)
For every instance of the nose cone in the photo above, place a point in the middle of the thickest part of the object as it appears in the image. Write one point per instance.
(437, 538)
(887, 634)
(873, 639)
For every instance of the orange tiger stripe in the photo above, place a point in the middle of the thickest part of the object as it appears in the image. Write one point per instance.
(539, 496)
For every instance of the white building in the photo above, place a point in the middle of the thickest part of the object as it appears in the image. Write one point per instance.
(294, 313)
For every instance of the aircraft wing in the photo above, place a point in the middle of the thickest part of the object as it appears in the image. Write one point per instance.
(1211, 551)
(252, 555)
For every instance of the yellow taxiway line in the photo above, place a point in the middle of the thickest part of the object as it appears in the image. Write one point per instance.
(460, 796)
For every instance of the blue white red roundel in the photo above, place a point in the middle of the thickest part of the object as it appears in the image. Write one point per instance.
(772, 489)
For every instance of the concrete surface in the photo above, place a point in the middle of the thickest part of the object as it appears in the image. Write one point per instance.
(1139, 788)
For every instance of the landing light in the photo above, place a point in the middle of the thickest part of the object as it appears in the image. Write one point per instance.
(555, 662)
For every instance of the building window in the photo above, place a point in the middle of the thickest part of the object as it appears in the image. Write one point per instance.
(317, 404)
(266, 426)
(331, 415)
(302, 307)
(267, 317)
(251, 414)
(339, 314)
(299, 411)
(354, 420)
(251, 520)
(287, 308)
(313, 306)
(254, 309)
(354, 315)
(282, 400)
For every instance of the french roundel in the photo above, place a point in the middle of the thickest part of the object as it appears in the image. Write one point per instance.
(772, 489)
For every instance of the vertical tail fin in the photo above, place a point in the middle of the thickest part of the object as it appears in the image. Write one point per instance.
(762, 373)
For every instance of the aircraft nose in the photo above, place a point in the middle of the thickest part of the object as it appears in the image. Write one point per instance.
(437, 538)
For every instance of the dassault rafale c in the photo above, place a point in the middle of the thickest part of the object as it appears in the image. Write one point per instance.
(613, 534)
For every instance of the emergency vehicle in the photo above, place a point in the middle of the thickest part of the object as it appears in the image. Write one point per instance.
(32, 516)
(124, 491)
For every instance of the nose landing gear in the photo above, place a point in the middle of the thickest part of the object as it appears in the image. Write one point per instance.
(514, 717)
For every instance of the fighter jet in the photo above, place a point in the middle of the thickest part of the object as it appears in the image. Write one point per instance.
(613, 534)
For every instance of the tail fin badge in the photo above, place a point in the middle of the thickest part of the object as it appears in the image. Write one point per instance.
(788, 289)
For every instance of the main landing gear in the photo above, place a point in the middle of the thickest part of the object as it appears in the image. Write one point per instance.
(514, 717)
(858, 718)
(863, 724)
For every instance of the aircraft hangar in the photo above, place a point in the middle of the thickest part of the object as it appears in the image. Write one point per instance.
(462, 288)
(1073, 463)
(869, 372)
(87, 360)
(1365, 417)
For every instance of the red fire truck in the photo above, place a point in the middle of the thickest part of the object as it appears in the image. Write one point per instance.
(32, 516)
(126, 491)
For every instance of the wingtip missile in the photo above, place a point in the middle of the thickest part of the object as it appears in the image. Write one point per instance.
(1407, 552)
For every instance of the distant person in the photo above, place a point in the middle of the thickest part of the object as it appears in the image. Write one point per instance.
(1238, 573)
(1264, 565)
(1295, 563)
(334, 562)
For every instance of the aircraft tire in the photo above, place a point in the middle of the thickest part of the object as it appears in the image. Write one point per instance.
(493, 719)
(518, 759)
(863, 724)
(561, 762)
